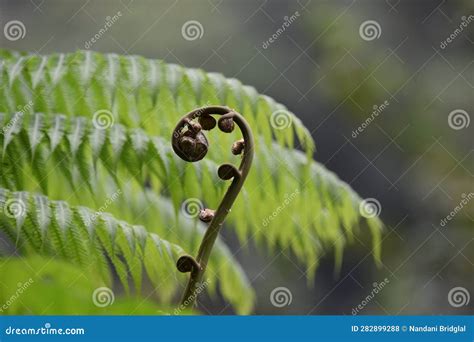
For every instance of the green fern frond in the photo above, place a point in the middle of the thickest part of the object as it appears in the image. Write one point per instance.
(328, 210)
(63, 153)
(32, 285)
(81, 235)
(140, 93)
(40, 226)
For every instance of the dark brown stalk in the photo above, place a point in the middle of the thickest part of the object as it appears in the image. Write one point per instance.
(191, 145)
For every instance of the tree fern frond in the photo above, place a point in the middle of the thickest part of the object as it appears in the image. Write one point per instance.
(116, 117)
(9, 54)
(327, 208)
(80, 235)
(149, 94)
(32, 285)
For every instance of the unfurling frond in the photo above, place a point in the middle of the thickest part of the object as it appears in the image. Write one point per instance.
(328, 209)
(80, 126)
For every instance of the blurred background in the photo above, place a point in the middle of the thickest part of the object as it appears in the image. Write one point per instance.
(385, 87)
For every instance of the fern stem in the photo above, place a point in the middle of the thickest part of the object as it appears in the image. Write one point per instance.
(197, 266)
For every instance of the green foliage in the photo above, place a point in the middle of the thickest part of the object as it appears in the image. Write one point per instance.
(51, 145)
(93, 239)
(33, 285)
(86, 238)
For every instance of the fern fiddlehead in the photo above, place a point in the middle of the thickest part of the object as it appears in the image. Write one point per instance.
(191, 145)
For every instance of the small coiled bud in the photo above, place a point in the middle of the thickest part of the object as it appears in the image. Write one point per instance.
(227, 171)
(187, 263)
(194, 127)
(193, 146)
(238, 147)
(206, 215)
(226, 124)
(207, 122)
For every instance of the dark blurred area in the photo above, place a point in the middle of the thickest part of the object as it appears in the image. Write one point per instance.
(387, 93)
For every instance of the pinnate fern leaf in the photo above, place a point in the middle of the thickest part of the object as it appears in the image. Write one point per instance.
(149, 94)
(40, 281)
(328, 210)
(93, 239)
(40, 226)
(53, 138)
